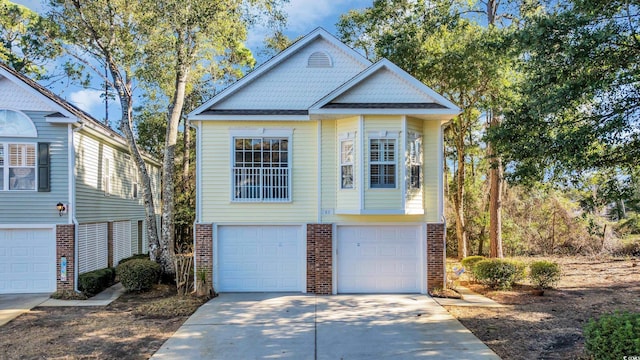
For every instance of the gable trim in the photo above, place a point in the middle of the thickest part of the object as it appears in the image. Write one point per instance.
(273, 62)
(318, 107)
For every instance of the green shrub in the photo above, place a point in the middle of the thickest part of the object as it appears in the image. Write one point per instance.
(470, 262)
(614, 336)
(138, 274)
(93, 282)
(499, 273)
(132, 257)
(544, 274)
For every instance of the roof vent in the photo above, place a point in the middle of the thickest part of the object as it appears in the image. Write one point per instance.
(319, 59)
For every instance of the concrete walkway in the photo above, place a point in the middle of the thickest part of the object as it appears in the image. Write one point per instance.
(469, 298)
(295, 326)
(105, 298)
(14, 305)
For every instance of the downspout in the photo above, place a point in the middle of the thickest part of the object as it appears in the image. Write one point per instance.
(319, 140)
(198, 200)
(72, 196)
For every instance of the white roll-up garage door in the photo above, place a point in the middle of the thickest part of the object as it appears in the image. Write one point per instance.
(260, 258)
(27, 261)
(380, 259)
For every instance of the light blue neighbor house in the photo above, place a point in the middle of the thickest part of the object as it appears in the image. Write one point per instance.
(70, 201)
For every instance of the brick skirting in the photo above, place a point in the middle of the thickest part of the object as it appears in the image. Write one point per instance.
(65, 241)
(204, 253)
(320, 259)
(436, 266)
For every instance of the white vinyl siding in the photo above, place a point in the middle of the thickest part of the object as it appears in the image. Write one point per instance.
(31, 206)
(121, 241)
(216, 159)
(91, 168)
(93, 249)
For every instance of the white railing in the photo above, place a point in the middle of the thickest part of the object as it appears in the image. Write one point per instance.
(261, 184)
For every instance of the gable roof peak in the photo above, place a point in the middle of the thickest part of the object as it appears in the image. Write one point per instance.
(281, 57)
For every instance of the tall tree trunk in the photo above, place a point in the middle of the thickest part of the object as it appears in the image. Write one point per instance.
(495, 197)
(123, 87)
(461, 232)
(168, 167)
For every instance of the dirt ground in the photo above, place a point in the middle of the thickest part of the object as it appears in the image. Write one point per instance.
(132, 327)
(550, 326)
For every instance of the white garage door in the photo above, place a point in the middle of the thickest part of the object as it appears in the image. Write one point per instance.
(260, 258)
(27, 261)
(380, 259)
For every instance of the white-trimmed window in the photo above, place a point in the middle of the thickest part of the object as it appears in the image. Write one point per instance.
(414, 162)
(346, 164)
(382, 163)
(18, 167)
(261, 168)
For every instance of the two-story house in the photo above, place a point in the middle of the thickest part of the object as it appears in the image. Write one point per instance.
(322, 172)
(69, 195)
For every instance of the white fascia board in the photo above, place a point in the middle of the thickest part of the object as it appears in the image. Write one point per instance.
(249, 118)
(271, 63)
(408, 112)
(62, 120)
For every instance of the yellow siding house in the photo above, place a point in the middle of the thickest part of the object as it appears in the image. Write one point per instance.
(321, 172)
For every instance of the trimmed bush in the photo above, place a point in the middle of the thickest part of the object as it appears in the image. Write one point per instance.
(138, 274)
(470, 262)
(544, 274)
(136, 256)
(93, 282)
(613, 336)
(499, 273)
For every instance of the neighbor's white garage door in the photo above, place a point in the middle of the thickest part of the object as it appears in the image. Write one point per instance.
(260, 258)
(27, 261)
(380, 259)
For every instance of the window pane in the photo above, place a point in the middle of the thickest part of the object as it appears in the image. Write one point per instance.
(13, 123)
(22, 178)
(1, 178)
(347, 176)
(1, 154)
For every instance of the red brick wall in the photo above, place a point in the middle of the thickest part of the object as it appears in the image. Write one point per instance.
(435, 256)
(204, 252)
(65, 241)
(320, 258)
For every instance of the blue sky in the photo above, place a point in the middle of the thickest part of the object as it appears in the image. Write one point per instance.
(303, 17)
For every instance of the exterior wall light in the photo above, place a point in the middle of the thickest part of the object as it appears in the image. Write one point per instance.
(62, 208)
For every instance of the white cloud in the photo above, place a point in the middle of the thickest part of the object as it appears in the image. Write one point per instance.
(87, 99)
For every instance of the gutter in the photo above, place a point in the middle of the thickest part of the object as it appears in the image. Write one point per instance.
(72, 196)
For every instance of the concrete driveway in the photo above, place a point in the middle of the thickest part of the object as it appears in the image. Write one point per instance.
(11, 306)
(258, 326)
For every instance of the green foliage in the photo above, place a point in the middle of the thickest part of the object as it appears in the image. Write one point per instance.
(138, 274)
(93, 282)
(470, 262)
(27, 40)
(544, 274)
(630, 225)
(614, 336)
(499, 273)
(133, 257)
(581, 97)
